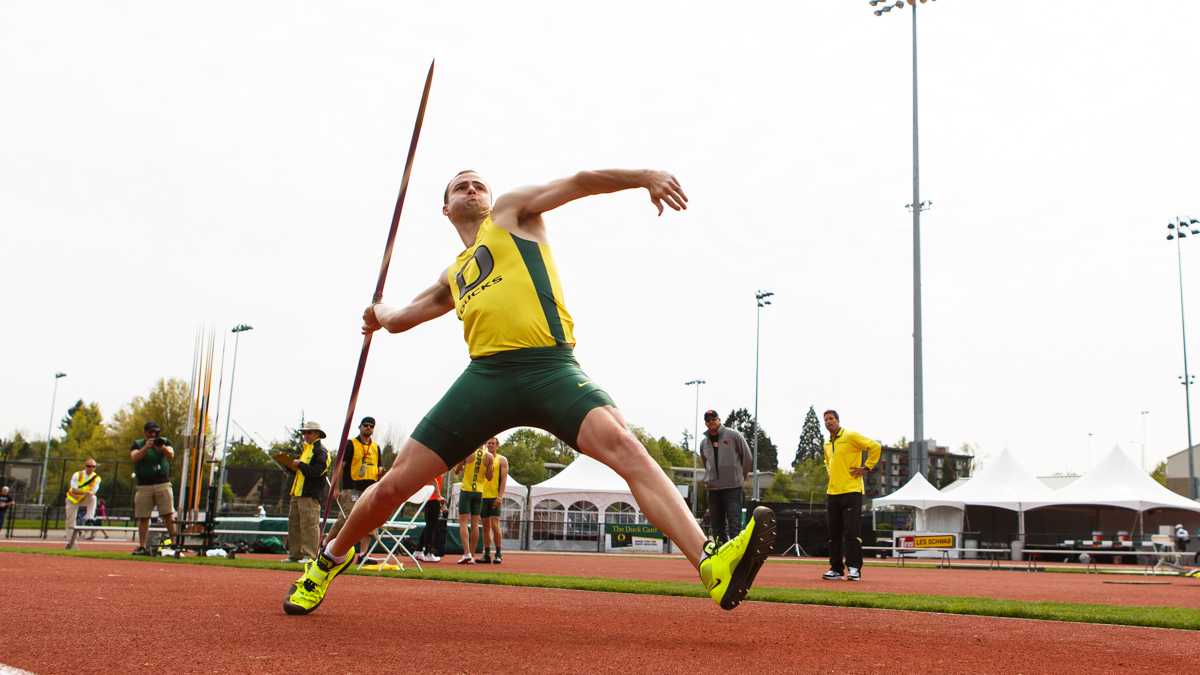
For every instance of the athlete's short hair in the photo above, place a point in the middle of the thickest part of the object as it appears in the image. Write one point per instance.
(446, 193)
(832, 412)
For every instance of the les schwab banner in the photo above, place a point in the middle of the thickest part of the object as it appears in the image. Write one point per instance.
(926, 541)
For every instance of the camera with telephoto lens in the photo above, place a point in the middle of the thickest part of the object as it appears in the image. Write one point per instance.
(159, 442)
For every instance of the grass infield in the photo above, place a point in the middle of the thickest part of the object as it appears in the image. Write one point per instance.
(1156, 617)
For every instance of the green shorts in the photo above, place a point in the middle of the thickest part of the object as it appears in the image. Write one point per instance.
(469, 503)
(541, 387)
(490, 508)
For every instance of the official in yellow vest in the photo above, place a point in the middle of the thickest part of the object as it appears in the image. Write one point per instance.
(308, 489)
(470, 501)
(843, 500)
(494, 484)
(82, 492)
(360, 470)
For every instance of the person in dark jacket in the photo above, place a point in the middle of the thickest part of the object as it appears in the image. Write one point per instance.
(727, 462)
(308, 489)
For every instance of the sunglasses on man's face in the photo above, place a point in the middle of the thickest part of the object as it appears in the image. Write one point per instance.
(90, 466)
(367, 426)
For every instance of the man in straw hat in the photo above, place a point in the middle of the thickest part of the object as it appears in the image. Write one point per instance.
(308, 489)
(504, 287)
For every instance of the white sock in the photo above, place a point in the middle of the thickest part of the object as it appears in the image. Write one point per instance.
(329, 552)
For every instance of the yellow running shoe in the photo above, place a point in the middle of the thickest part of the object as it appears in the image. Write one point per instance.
(727, 572)
(307, 593)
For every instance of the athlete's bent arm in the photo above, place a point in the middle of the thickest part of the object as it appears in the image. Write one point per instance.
(428, 305)
(529, 202)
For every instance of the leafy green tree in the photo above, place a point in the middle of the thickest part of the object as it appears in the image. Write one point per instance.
(528, 450)
(167, 403)
(85, 433)
(16, 447)
(1160, 473)
(768, 454)
(811, 479)
(247, 453)
(811, 438)
(783, 488)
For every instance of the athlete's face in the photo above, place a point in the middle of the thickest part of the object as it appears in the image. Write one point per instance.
(468, 197)
(831, 423)
(493, 445)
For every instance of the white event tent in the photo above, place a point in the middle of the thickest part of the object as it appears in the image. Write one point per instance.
(584, 485)
(1117, 481)
(935, 510)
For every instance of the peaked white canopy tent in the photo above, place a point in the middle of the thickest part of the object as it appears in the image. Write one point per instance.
(586, 481)
(935, 510)
(1117, 481)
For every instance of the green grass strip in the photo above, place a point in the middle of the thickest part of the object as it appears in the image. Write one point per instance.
(1157, 617)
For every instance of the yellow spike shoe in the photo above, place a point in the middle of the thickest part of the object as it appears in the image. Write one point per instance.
(308, 592)
(728, 572)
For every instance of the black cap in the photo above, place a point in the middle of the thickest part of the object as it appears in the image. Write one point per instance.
(367, 420)
(711, 415)
(151, 426)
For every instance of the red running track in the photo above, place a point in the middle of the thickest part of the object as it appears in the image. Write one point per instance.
(141, 617)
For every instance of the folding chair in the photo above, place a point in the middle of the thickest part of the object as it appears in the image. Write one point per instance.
(391, 534)
(1164, 544)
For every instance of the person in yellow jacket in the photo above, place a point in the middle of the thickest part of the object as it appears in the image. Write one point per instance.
(843, 498)
(494, 484)
(360, 469)
(81, 492)
(307, 492)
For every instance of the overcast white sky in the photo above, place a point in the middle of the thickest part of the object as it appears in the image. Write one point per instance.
(169, 165)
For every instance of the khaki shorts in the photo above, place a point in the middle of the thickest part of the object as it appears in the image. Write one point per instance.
(149, 496)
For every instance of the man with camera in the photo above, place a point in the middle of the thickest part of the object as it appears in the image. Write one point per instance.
(152, 457)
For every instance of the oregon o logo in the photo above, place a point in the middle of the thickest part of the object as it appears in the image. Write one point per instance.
(484, 264)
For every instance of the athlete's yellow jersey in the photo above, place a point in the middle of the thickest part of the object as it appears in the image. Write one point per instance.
(473, 477)
(507, 294)
(490, 487)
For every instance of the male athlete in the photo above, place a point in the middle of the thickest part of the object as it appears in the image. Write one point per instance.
(505, 288)
(470, 503)
(493, 485)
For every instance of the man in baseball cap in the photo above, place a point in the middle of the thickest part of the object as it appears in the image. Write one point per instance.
(727, 462)
(360, 470)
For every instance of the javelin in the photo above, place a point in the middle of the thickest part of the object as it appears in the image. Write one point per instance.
(378, 297)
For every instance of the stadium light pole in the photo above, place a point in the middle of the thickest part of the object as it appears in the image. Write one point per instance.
(1179, 231)
(1143, 414)
(237, 334)
(696, 445)
(918, 462)
(49, 428)
(761, 297)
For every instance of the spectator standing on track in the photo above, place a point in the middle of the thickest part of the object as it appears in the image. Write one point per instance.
(433, 536)
(470, 501)
(152, 457)
(843, 502)
(6, 502)
(308, 490)
(360, 470)
(495, 480)
(1181, 538)
(81, 492)
(727, 462)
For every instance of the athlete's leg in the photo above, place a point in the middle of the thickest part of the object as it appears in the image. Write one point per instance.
(464, 532)
(415, 466)
(605, 437)
(476, 522)
(494, 521)
(487, 535)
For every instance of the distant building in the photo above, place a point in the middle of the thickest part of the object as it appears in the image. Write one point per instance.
(891, 474)
(1177, 470)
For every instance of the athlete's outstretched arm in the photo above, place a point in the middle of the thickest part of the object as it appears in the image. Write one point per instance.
(529, 202)
(429, 304)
